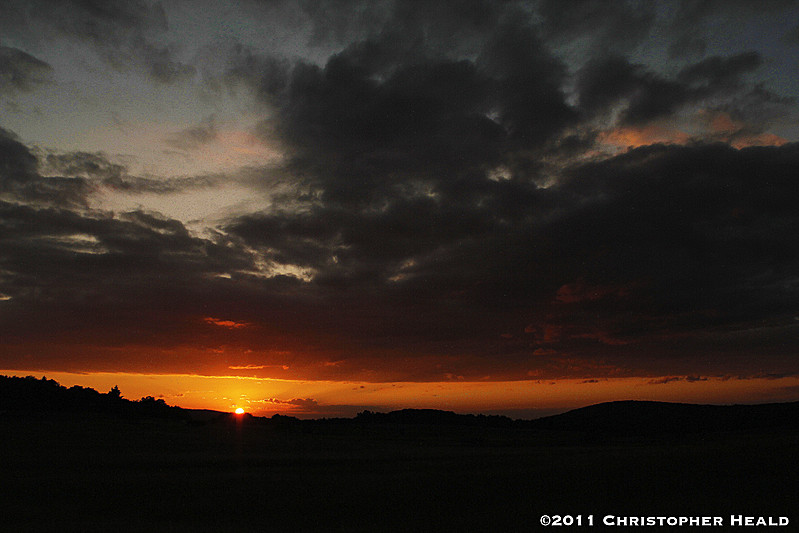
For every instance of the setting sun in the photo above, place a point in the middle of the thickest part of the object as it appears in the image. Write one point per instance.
(239, 411)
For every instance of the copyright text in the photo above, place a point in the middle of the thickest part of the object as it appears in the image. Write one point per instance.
(659, 521)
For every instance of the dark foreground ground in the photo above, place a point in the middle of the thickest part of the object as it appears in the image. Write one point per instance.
(97, 472)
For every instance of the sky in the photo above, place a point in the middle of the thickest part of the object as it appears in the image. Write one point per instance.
(319, 207)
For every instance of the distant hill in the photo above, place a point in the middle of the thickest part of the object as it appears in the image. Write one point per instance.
(433, 417)
(619, 420)
(661, 418)
(604, 421)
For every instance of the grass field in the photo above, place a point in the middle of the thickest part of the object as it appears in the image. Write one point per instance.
(69, 472)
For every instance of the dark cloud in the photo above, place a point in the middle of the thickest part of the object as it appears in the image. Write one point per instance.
(475, 58)
(454, 26)
(266, 74)
(196, 136)
(20, 179)
(694, 226)
(603, 82)
(758, 106)
(136, 242)
(107, 25)
(654, 248)
(423, 116)
(17, 163)
(530, 101)
(419, 197)
(718, 71)
(669, 379)
(74, 277)
(103, 22)
(444, 209)
(647, 95)
(336, 22)
(304, 407)
(85, 165)
(687, 45)
(391, 113)
(792, 36)
(136, 184)
(163, 68)
(121, 32)
(68, 180)
(133, 279)
(96, 169)
(627, 276)
(20, 71)
(656, 244)
(305, 404)
(691, 23)
(614, 26)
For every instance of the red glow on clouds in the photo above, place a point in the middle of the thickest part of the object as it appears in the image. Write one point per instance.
(635, 136)
(723, 127)
(226, 323)
(707, 125)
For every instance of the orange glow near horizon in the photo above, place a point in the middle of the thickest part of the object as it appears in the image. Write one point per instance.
(315, 399)
(717, 126)
(735, 132)
(633, 137)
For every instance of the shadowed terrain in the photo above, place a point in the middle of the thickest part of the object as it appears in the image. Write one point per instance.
(85, 466)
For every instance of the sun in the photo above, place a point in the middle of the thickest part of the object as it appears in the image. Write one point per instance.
(239, 411)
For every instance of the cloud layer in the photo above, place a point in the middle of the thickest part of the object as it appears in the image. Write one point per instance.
(457, 197)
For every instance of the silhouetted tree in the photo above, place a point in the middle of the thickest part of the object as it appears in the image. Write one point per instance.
(151, 401)
(30, 394)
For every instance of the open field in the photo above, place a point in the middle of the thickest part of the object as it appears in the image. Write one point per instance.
(74, 472)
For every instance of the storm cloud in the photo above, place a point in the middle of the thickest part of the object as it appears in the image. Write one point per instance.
(120, 32)
(460, 194)
(20, 71)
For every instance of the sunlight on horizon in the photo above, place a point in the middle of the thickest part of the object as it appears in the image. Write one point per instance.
(517, 399)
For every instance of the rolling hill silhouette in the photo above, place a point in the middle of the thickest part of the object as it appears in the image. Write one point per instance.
(31, 395)
(664, 418)
(74, 459)
(622, 418)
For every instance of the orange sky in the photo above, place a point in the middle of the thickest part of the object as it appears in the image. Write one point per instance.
(518, 399)
(320, 211)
